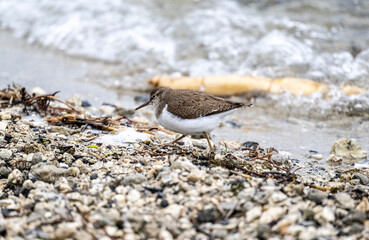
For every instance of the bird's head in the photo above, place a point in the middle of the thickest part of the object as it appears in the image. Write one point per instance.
(155, 96)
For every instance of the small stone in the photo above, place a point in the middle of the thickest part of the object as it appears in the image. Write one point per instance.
(196, 175)
(165, 235)
(28, 184)
(4, 172)
(6, 154)
(15, 177)
(206, 215)
(344, 200)
(333, 160)
(183, 165)
(164, 203)
(94, 176)
(174, 210)
(5, 116)
(48, 173)
(220, 233)
(133, 195)
(73, 171)
(277, 197)
(36, 158)
(253, 213)
(317, 156)
(316, 195)
(272, 214)
(326, 215)
(66, 230)
(363, 179)
(83, 235)
(355, 216)
(61, 130)
(356, 228)
(137, 178)
(63, 185)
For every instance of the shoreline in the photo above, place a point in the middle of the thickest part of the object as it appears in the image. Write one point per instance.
(56, 183)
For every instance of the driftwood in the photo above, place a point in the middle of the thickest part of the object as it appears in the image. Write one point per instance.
(233, 84)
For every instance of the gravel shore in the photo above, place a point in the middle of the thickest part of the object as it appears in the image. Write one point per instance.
(64, 182)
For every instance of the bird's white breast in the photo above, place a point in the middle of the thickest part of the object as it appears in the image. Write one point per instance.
(190, 126)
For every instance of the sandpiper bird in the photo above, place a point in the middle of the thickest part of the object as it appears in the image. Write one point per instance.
(188, 111)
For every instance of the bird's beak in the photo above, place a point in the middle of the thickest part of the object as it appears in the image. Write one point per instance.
(143, 105)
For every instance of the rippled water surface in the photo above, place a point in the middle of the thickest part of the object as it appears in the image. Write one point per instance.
(120, 44)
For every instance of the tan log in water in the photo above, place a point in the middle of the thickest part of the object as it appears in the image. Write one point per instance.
(233, 84)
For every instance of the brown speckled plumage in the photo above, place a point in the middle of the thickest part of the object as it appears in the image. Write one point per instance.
(190, 104)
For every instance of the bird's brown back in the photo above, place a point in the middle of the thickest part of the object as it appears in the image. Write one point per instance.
(190, 104)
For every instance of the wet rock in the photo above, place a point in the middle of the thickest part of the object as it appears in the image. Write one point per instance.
(344, 200)
(206, 215)
(349, 150)
(316, 195)
(363, 179)
(5, 154)
(47, 172)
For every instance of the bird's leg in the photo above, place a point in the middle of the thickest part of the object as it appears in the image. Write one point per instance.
(208, 139)
(173, 142)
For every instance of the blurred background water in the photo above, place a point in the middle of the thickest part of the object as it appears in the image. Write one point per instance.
(106, 50)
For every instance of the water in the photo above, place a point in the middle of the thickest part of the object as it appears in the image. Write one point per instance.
(77, 47)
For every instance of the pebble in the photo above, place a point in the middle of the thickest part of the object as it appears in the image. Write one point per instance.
(196, 175)
(48, 173)
(5, 154)
(316, 195)
(325, 215)
(272, 214)
(363, 179)
(344, 200)
(174, 210)
(134, 179)
(253, 213)
(206, 215)
(15, 177)
(133, 195)
(165, 235)
(36, 158)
